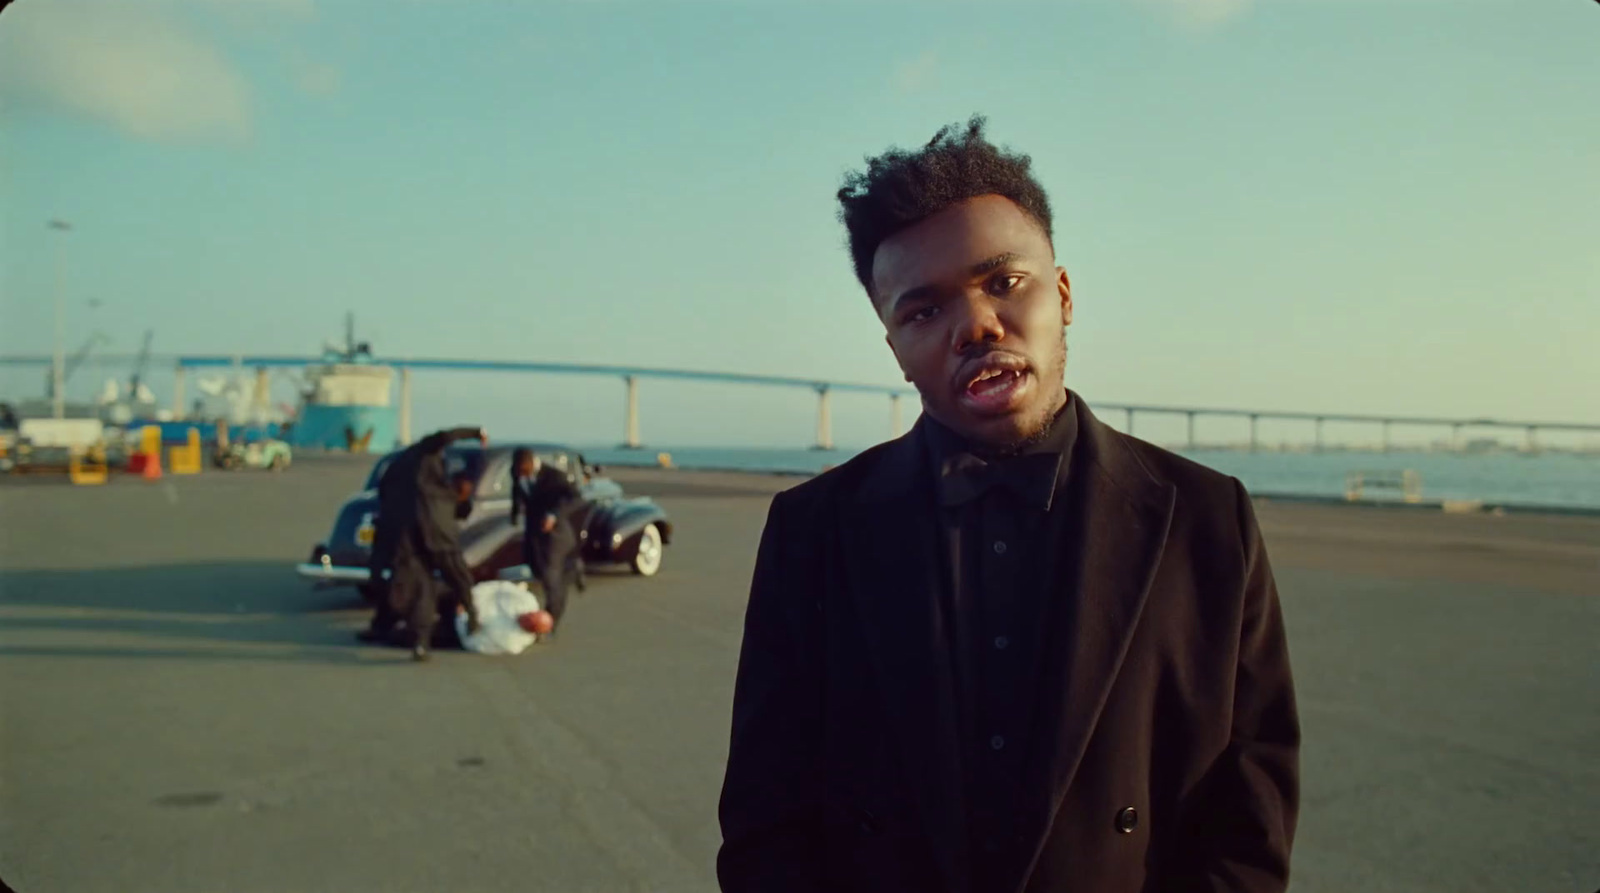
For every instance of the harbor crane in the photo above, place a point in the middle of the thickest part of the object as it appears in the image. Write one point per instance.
(73, 362)
(139, 364)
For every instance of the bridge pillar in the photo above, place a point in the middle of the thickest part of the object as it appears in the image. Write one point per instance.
(261, 402)
(177, 392)
(824, 420)
(1455, 437)
(405, 406)
(1191, 429)
(1533, 438)
(1253, 420)
(630, 428)
(1319, 435)
(894, 416)
(1129, 411)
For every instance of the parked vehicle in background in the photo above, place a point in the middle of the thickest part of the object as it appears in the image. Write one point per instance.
(274, 455)
(613, 528)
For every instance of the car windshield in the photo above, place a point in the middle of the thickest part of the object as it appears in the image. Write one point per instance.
(456, 459)
(468, 459)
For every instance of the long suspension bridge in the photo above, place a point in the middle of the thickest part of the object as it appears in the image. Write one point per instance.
(632, 375)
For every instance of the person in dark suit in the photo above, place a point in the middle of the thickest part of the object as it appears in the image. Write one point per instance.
(417, 535)
(544, 496)
(1012, 650)
(577, 572)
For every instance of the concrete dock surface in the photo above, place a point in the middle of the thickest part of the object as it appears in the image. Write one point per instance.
(179, 712)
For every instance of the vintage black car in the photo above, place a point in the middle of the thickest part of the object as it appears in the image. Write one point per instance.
(613, 529)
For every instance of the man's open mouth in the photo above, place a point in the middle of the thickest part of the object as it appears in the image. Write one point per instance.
(994, 384)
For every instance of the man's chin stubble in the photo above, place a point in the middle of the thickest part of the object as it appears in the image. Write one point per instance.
(1034, 432)
(1037, 429)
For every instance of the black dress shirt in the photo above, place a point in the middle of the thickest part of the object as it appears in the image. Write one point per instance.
(999, 518)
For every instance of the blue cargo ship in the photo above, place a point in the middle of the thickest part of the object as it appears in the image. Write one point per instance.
(346, 405)
(348, 402)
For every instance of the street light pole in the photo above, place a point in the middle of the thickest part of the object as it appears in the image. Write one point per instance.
(59, 361)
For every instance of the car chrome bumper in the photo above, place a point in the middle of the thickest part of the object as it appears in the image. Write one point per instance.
(333, 573)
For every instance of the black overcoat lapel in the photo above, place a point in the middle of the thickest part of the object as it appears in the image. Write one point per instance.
(1115, 539)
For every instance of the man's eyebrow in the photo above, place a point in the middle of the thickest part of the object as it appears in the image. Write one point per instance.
(920, 293)
(989, 265)
(979, 269)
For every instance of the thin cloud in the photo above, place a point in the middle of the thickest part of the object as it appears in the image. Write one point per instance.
(917, 74)
(132, 66)
(300, 7)
(1200, 13)
(315, 78)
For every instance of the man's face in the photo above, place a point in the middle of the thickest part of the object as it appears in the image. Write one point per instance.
(974, 308)
(526, 468)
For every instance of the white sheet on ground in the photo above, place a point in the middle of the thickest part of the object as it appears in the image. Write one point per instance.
(499, 603)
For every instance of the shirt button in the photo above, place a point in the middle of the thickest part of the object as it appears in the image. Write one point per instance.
(997, 742)
(1000, 642)
(999, 547)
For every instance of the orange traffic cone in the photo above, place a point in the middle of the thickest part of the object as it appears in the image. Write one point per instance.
(152, 466)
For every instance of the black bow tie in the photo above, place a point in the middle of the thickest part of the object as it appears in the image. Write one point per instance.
(964, 477)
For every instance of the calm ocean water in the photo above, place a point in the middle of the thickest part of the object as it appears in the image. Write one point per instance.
(1554, 480)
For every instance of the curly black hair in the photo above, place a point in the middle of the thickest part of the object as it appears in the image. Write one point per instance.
(900, 188)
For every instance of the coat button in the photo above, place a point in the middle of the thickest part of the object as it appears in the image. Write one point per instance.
(1127, 820)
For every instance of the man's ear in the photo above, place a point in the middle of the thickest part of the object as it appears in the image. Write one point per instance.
(1064, 287)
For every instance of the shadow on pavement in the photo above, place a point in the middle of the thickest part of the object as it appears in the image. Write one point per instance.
(202, 611)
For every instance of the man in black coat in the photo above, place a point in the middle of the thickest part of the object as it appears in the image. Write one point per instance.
(417, 536)
(1014, 650)
(544, 496)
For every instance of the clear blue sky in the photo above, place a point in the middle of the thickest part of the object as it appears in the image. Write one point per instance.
(1299, 204)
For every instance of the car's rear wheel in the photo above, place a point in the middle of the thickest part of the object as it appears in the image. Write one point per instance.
(647, 556)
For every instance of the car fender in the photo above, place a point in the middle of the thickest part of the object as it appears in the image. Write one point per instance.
(625, 518)
(357, 512)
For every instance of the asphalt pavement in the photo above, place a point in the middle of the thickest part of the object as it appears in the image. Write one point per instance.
(179, 712)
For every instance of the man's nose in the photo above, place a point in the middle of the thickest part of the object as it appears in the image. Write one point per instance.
(977, 323)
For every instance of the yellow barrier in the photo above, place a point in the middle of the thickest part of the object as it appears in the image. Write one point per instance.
(146, 460)
(186, 459)
(81, 473)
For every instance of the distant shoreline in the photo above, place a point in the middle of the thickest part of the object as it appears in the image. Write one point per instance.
(642, 464)
(1430, 505)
